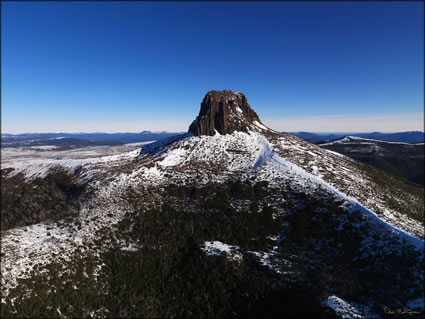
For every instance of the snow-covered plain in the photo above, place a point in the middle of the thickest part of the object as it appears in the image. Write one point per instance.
(11, 156)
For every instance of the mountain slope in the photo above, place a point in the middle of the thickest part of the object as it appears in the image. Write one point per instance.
(400, 159)
(218, 225)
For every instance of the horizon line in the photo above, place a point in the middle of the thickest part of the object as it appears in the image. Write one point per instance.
(181, 132)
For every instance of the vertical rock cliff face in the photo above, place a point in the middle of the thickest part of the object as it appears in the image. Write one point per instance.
(225, 112)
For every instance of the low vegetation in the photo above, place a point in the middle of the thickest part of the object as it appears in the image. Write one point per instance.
(52, 198)
(156, 266)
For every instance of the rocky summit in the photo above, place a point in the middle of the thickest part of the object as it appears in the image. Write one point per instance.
(225, 112)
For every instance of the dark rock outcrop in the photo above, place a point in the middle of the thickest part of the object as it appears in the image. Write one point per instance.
(225, 112)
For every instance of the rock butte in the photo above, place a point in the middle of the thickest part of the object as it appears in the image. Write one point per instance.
(225, 112)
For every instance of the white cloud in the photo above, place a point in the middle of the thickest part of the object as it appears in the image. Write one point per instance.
(349, 123)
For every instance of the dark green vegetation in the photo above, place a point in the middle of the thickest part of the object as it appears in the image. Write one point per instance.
(401, 160)
(394, 188)
(170, 276)
(52, 198)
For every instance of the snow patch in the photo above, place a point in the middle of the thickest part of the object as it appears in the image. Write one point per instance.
(217, 248)
(173, 157)
(260, 125)
(342, 308)
(44, 147)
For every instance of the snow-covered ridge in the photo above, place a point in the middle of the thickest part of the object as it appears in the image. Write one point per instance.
(267, 155)
(349, 177)
(363, 140)
(212, 158)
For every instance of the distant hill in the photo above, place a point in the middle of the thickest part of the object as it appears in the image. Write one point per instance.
(405, 137)
(67, 140)
(397, 158)
(316, 138)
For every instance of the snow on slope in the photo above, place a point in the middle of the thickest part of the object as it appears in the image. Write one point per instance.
(24, 249)
(267, 156)
(214, 158)
(212, 248)
(202, 159)
(351, 178)
(342, 308)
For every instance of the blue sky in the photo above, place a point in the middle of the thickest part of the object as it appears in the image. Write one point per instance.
(133, 66)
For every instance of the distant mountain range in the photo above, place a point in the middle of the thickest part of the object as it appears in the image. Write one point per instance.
(397, 158)
(70, 140)
(410, 137)
(86, 139)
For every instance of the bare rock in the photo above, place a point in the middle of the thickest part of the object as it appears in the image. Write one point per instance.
(225, 112)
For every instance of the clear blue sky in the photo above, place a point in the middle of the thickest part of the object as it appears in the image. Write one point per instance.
(116, 67)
